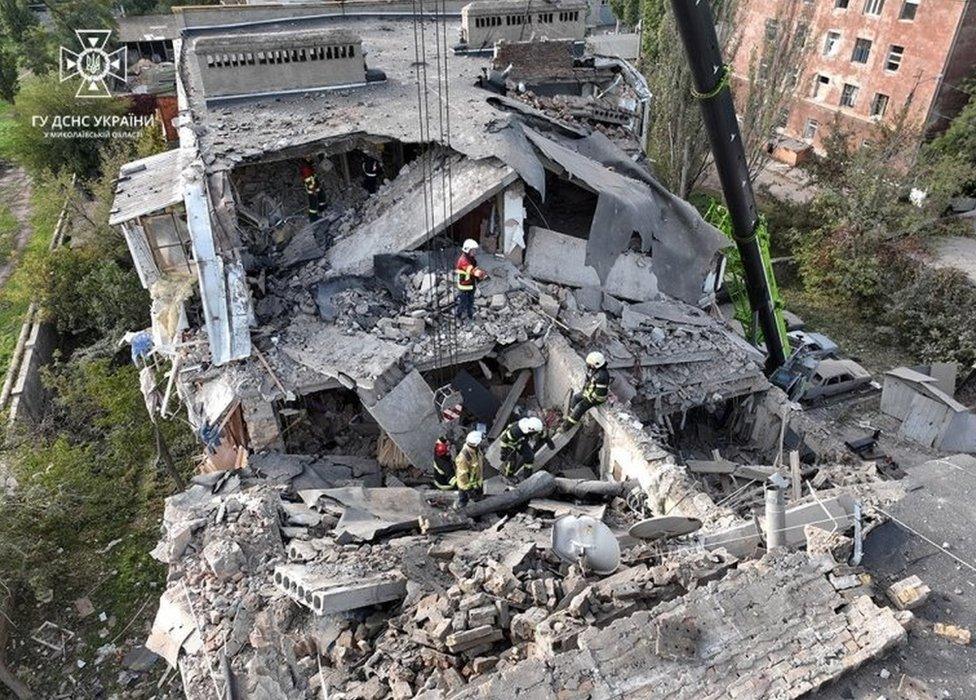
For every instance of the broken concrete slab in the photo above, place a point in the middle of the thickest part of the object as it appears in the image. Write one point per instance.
(407, 414)
(831, 514)
(361, 357)
(174, 626)
(525, 355)
(407, 223)
(374, 511)
(508, 405)
(555, 257)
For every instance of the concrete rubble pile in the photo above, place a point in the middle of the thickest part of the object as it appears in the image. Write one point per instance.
(775, 627)
(269, 590)
(603, 115)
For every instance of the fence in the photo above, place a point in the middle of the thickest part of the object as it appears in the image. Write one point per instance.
(23, 392)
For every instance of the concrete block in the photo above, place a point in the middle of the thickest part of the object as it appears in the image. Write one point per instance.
(549, 304)
(956, 635)
(909, 593)
(224, 557)
(412, 327)
(469, 639)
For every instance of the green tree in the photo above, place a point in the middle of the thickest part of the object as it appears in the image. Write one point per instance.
(27, 39)
(31, 145)
(652, 15)
(676, 141)
(959, 140)
(71, 15)
(627, 11)
(9, 81)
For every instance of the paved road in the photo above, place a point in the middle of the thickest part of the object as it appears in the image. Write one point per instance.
(941, 506)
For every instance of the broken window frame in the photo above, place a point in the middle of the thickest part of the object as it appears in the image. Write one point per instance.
(810, 130)
(163, 254)
(896, 54)
(831, 42)
(820, 81)
(879, 105)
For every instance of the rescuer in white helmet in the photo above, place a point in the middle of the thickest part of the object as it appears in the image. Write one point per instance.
(520, 442)
(596, 389)
(468, 275)
(469, 469)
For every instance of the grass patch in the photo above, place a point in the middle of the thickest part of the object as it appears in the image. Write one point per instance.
(6, 127)
(874, 347)
(9, 226)
(16, 295)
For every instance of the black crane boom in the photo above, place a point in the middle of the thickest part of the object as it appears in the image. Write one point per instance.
(711, 78)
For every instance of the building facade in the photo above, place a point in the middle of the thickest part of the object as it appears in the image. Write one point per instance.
(867, 59)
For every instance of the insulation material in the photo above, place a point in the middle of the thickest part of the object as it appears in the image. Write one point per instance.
(408, 416)
(630, 201)
(167, 313)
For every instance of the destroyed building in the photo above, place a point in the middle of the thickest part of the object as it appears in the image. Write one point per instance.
(319, 360)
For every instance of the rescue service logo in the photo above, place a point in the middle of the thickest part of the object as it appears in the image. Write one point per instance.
(93, 66)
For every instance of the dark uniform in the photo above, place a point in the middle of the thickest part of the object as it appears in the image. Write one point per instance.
(596, 389)
(316, 197)
(371, 174)
(519, 449)
(443, 466)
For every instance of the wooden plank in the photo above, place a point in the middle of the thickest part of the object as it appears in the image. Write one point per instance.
(508, 405)
(795, 472)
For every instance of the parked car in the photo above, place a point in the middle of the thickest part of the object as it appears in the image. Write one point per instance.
(815, 344)
(832, 377)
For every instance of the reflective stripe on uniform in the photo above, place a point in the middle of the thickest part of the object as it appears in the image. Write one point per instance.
(464, 282)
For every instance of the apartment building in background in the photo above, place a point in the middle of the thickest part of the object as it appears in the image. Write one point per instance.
(866, 59)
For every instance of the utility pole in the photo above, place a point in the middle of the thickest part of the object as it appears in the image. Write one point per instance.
(711, 78)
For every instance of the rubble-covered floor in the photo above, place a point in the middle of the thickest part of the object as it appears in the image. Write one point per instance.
(478, 612)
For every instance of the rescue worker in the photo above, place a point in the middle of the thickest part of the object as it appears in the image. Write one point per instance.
(469, 469)
(371, 174)
(316, 197)
(520, 441)
(596, 389)
(468, 275)
(443, 465)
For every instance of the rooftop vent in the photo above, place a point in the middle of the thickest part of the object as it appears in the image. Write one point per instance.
(238, 65)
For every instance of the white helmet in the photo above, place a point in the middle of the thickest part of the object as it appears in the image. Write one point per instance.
(530, 425)
(470, 245)
(596, 360)
(474, 438)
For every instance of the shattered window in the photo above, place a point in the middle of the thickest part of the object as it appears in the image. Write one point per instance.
(168, 241)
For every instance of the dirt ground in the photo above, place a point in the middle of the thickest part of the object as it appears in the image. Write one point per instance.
(15, 196)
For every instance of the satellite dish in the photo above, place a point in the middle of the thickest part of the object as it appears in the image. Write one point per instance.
(664, 527)
(587, 541)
